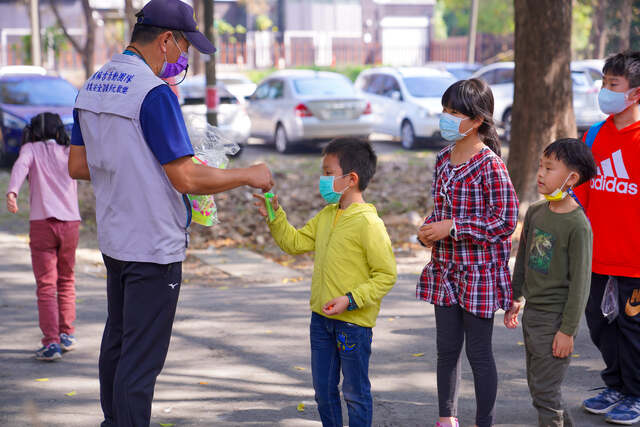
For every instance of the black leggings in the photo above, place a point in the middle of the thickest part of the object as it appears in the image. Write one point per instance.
(453, 325)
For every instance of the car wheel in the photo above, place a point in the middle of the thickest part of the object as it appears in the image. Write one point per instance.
(281, 140)
(506, 123)
(407, 135)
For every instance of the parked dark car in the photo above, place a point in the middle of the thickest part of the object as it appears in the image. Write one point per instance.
(25, 92)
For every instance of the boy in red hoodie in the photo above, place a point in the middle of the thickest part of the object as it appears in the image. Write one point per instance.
(612, 203)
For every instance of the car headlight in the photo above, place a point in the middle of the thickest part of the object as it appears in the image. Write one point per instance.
(13, 122)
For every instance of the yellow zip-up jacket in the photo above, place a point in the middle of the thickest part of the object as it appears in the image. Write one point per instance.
(354, 255)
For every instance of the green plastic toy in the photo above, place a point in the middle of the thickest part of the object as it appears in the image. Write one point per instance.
(267, 201)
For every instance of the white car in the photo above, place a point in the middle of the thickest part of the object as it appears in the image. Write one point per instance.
(405, 102)
(192, 90)
(585, 75)
(303, 106)
(232, 116)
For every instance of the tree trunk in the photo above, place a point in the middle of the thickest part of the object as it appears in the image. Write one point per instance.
(543, 106)
(626, 13)
(129, 15)
(90, 29)
(598, 35)
(197, 58)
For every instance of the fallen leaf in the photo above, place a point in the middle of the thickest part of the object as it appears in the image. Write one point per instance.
(520, 343)
(285, 280)
(223, 288)
(575, 355)
(418, 354)
(203, 383)
(268, 331)
(391, 319)
(298, 368)
(41, 380)
(71, 393)
(167, 424)
(300, 407)
(79, 300)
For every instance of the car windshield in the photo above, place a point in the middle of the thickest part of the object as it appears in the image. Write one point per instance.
(323, 86)
(52, 92)
(427, 87)
(579, 78)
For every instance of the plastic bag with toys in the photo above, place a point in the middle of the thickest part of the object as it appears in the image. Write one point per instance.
(211, 148)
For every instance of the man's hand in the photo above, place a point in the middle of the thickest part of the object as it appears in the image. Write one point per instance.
(259, 176)
(511, 316)
(336, 306)
(12, 203)
(261, 206)
(562, 345)
(435, 231)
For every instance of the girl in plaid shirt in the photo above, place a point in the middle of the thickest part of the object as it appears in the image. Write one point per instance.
(475, 212)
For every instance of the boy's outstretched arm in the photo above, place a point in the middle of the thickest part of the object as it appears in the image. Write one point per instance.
(288, 238)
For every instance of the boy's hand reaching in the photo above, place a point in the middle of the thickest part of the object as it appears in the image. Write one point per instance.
(261, 206)
(336, 306)
(511, 316)
(12, 203)
(562, 345)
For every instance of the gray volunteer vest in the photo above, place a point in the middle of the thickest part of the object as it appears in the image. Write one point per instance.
(140, 215)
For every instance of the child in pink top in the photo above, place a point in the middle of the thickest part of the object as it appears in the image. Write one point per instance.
(53, 228)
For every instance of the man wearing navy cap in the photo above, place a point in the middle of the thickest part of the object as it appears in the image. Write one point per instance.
(129, 139)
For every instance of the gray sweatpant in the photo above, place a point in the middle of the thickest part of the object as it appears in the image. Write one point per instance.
(545, 373)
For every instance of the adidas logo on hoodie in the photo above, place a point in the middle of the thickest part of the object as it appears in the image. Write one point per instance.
(613, 177)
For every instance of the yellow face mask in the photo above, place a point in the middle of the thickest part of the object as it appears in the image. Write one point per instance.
(558, 194)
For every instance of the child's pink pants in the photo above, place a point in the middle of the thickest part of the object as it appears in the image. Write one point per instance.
(53, 255)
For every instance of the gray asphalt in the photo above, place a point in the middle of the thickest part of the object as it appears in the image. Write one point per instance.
(239, 356)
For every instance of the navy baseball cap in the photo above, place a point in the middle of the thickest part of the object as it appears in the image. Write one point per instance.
(175, 15)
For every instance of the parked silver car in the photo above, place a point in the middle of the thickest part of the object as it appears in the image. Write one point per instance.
(303, 106)
(406, 102)
(585, 75)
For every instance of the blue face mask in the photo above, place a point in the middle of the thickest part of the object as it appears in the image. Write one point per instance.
(327, 192)
(613, 102)
(450, 127)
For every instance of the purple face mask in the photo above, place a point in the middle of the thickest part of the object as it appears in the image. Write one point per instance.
(170, 69)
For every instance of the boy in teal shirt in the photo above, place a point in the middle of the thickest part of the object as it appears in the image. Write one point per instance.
(354, 268)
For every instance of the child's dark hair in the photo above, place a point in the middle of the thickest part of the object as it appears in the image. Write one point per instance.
(355, 155)
(45, 126)
(625, 64)
(575, 155)
(474, 99)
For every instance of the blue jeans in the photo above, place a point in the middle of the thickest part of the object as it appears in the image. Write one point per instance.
(339, 345)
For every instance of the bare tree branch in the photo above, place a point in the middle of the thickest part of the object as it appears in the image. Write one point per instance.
(74, 43)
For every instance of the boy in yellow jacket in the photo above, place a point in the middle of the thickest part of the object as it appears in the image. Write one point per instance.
(354, 269)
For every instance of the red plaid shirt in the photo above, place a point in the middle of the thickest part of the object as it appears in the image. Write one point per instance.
(473, 270)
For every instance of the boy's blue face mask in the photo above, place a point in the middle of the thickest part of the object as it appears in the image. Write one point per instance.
(325, 185)
(614, 102)
(450, 127)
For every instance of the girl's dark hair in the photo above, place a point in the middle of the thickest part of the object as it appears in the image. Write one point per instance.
(474, 99)
(45, 126)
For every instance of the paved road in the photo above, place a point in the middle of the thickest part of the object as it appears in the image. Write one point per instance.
(239, 356)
